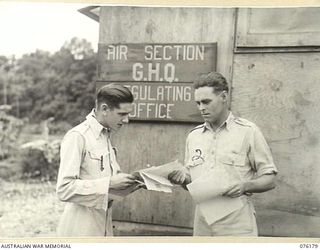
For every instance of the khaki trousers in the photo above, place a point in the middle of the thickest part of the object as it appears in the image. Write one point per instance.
(239, 223)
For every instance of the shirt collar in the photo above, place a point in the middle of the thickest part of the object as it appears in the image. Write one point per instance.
(96, 127)
(226, 124)
(229, 120)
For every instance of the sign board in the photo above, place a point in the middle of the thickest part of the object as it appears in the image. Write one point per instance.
(160, 76)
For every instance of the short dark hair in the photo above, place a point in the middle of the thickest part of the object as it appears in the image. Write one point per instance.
(212, 79)
(113, 94)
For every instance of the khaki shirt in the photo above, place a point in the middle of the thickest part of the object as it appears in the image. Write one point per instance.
(237, 142)
(87, 162)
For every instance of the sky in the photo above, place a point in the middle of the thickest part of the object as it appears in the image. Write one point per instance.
(27, 26)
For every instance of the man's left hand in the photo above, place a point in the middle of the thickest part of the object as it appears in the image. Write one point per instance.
(236, 191)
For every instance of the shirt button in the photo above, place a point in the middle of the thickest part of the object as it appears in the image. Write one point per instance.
(86, 185)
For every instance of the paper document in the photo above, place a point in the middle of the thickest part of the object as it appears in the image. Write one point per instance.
(207, 191)
(156, 178)
(213, 183)
(218, 208)
(157, 183)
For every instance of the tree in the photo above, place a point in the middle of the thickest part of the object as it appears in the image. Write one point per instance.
(79, 48)
(60, 85)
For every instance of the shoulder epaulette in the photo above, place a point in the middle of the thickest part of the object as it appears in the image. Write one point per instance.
(243, 122)
(81, 128)
(197, 127)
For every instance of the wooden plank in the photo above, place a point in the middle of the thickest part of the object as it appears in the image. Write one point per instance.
(278, 27)
(140, 143)
(282, 223)
(167, 25)
(122, 228)
(280, 93)
(153, 144)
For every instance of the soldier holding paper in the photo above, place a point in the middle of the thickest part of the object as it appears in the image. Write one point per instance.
(89, 176)
(227, 159)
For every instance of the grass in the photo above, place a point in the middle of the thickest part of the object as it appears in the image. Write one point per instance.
(28, 209)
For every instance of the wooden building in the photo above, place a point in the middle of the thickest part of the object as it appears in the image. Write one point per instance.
(271, 59)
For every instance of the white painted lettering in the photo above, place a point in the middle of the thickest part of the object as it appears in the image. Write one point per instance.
(160, 93)
(150, 98)
(140, 109)
(187, 94)
(178, 47)
(169, 72)
(148, 51)
(134, 111)
(156, 52)
(149, 104)
(153, 72)
(168, 89)
(169, 106)
(137, 71)
(123, 52)
(165, 52)
(190, 53)
(179, 93)
(111, 52)
(118, 52)
(200, 53)
(135, 91)
(143, 93)
(162, 113)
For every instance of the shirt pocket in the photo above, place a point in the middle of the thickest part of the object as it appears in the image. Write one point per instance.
(98, 158)
(234, 159)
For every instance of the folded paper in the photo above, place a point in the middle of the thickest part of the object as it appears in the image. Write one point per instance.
(207, 191)
(156, 178)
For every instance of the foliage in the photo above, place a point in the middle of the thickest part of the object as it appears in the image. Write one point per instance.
(10, 128)
(41, 85)
(59, 128)
(40, 159)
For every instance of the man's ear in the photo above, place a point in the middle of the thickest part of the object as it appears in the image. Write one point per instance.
(104, 107)
(225, 95)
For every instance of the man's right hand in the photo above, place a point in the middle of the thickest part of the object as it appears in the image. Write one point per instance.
(179, 177)
(122, 181)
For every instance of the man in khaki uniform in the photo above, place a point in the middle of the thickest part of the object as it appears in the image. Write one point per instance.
(223, 141)
(89, 172)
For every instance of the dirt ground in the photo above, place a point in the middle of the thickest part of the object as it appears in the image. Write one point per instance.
(28, 209)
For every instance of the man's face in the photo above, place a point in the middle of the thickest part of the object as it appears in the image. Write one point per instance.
(210, 104)
(116, 117)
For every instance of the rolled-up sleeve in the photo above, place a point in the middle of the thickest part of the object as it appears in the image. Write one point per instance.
(260, 154)
(187, 157)
(187, 160)
(70, 188)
